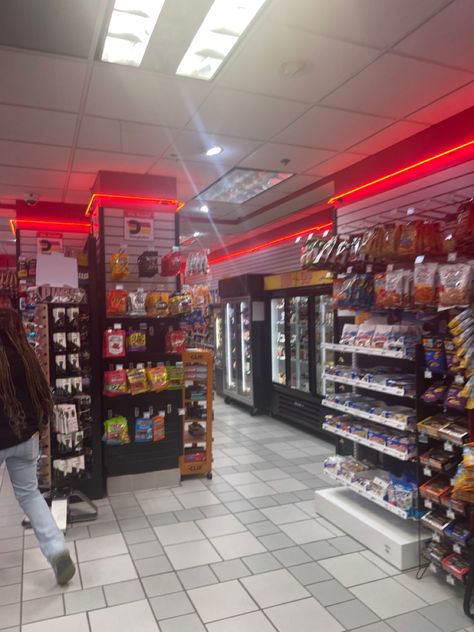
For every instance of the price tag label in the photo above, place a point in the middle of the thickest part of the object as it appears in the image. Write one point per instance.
(450, 514)
(420, 259)
(450, 580)
(436, 537)
(181, 411)
(428, 374)
(428, 504)
(452, 256)
(390, 267)
(426, 472)
(459, 380)
(457, 549)
(117, 326)
(448, 446)
(349, 270)
(369, 267)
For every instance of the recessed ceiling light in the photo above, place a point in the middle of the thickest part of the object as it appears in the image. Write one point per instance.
(196, 234)
(214, 151)
(130, 28)
(204, 208)
(224, 23)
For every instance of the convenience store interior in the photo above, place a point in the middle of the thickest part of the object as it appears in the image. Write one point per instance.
(261, 311)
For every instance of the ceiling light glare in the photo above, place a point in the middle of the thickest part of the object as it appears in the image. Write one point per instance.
(224, 23)
(214, 151)
(204, 208)
(196, 234)
(130, 28)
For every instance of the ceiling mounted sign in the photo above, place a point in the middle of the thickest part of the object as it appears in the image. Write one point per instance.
(46, 243)
(138, 225)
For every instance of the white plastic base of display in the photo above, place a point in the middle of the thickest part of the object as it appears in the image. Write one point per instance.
(393, 539)
(141, 482)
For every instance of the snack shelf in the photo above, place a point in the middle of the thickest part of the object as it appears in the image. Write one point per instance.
(401, 513)
(371, 386)
(190, 439)
(398, 425)
(407, 456)
(383, 353)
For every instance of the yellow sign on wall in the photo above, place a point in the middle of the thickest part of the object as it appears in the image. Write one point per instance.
(299, 278)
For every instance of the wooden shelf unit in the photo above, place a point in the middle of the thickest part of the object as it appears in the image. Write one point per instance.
(194, 361)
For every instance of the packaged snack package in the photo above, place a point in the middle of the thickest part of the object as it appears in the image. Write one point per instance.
(465, 222)
(137, 382)
(158, 428)
(114, 343)
(116, 302)
(380, 293)
(136, 340)
(435, 393)
(156, 304)
(157, 378)
(454, 399)
(448, 241)
(461, 321)
(119, 269)
(148, 264)
(144, 429)
(434, 354)
(137, 302)
(424, 286)
(390, 240)
(341, 256)
(115, 383)
(394, 288)
(171, 264)
(455, 285)
(408, 242)
(364, 335)
(429, 238)
(468, 456)
(381, 337)
(116, 431)
(175, 341)
(349, 333)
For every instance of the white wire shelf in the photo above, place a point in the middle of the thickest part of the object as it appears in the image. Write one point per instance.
(390, 423)
(370, 386)
(402, 456)
(383, 353)
(401, 513)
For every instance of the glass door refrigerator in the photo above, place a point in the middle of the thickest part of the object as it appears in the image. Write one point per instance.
(215, 313)
(300, 320)
(243, 328)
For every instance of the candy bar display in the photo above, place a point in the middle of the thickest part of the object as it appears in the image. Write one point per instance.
(376, 336)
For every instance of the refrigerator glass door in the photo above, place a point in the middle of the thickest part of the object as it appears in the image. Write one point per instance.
(245, 377)
(218, 338)
(278, 340)
(324, 323)
(231, 348)
(299, 344)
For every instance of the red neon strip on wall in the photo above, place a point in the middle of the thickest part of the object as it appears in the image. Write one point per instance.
(273, 242)
(393, 174)
(38, 224)
(113, 196)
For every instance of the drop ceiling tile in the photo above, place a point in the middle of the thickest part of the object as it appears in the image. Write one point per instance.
(446, 38)
(16, 192)
(271, 155)
(445, 107)
(188, 189)
(194, 172)
(37, 126)
(90, 161)
(330, 128)
(31, 155)
(341, 161)
(245, 115)
(379, 23)
(257, 66)
(189, 145)
(32, 177)
(145, 139)
(395, 86)
(41, 81)
(82, 181)
(136, 95)
(295, 183)
(77, 197)
(387, 137)
(99, 133)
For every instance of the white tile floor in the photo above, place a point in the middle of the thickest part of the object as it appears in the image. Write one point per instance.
(244, 552)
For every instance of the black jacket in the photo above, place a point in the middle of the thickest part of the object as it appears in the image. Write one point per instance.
(8, 438)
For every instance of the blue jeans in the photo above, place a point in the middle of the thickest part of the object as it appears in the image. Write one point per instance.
(21, 461)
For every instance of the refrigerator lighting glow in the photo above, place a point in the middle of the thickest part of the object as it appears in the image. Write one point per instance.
(220, 30)
(130, 28)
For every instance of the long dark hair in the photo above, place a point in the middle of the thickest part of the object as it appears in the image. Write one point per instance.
(13, 334)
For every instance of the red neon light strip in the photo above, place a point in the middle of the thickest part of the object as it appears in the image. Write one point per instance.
(12, 227)
(112, 196)
(39, 224)
(393, 174)
(273, 242)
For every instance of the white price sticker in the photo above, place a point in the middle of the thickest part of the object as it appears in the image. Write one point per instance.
(448, 446)
(428, 374)
(369, 267)
(450, 514)
(426, 471)
(420, 259)
(459, 380)
(428, 504)
(349, 270)
(457, 549)
(452, 256)
(436, 537)
(433, 568)
(450, 580)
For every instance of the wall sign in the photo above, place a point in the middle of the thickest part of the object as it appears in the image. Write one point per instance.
(46, 243)
(138, 225)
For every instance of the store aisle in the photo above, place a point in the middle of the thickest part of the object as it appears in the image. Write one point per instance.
(244, 552)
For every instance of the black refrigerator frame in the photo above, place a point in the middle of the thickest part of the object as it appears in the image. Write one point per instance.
(298, 407)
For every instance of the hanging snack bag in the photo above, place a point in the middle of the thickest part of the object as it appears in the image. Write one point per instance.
(434, 354)
(116, 431)
(144, 429)
(408, 239)
(455, 285)
(157, 378)
(136, 340)
(114, 343)
(390, 240)
(380, 293)
(137, 382)
(171, 264)
(394, 288)
(137, 302)
(465, 222)
(349, 333)
(116, 303)
(115, 383)
(119, 266)
(435, 393)
(454, 398)
(156, 304)
(424, 288)
(148, 264)
(175, 341)
(158, 427)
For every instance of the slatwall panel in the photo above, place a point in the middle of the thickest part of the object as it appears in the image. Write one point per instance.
(71, 241)
(164, 231)
(274, 260)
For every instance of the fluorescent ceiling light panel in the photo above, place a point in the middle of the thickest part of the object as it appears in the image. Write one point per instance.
(224, 23)
(240, 185)
(130, 28)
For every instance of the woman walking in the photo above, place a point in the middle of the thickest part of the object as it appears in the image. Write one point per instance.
(26, 406)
